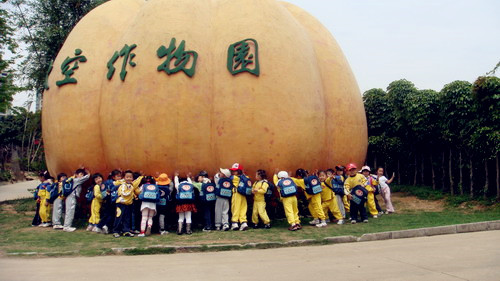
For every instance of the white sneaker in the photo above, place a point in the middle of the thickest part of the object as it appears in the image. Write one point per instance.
(225, 227)
(217, 228)
(365, 221)
(69, 229)
(353, 222)
(322, 224)
(340, 222)
(164, 232)
(90, 227)
(141, 235)
(234, 226)
(244, 226)
(97, 230)
(105, 229)
(375, 217)
(314, 222)
(58, 226)
(44, 224)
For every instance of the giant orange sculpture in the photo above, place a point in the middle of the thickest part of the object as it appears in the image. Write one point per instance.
(166, 85)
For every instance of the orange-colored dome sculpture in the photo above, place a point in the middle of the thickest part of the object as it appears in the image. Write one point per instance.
(166, 85)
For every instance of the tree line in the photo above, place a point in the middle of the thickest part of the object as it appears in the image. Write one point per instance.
(449, 139)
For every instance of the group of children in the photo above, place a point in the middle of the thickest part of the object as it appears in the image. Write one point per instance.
(115, 200)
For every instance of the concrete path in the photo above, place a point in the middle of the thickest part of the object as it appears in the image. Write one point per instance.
(17, 190)
(469, 256)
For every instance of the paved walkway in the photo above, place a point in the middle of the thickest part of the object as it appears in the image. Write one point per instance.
(17, 190)
(469, 256)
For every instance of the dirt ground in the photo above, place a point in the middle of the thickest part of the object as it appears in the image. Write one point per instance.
(406, 203)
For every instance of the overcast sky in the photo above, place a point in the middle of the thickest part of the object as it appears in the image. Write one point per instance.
(429, 42)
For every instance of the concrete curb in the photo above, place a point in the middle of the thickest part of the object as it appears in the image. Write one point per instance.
(410, 233)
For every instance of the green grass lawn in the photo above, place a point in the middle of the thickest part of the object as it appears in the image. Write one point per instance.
(19, 236)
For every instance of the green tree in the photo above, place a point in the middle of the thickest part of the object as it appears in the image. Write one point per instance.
(457, 115)
(46, 23)
(421, 113)
(397, 94)
(486, 137)
(7, 88)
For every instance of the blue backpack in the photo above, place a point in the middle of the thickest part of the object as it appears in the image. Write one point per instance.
(359, 195)
(245, 186)
(185, 192)
(113, 189)
(287, 187)
(224, 188)
(270, 190)
(164, 192)
(149, 193)
(40, 186)
(67, 187)
(207, 193)
(53, 190)
(90, 194)
(337, 185)
(313, 185)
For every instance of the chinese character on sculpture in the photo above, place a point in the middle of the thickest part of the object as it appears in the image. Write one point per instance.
(67, 71)
(127, 55)
(243, 56)
(177, 59)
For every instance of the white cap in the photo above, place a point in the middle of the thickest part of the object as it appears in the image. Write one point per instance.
(365, 168)
(283, 174)
(226, 172)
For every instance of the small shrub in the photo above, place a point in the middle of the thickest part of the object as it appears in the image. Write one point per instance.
(5, 175)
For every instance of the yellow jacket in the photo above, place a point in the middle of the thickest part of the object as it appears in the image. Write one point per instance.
(97, 193)
(327, 193)
(261, 188)
(126, 191)
(352, 182)
(236, 182)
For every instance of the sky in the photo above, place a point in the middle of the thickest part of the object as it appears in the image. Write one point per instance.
(428, 42)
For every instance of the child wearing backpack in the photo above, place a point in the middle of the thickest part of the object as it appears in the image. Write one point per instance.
(224, 193)
(357, 194)
(288, 192)
(207, 197)
(43, 196)
(312, 189)
(72, 188)
(239, 199)
(370, 187)
(109, 202)
(58, 202)
(97, 197)
(259, 189)
(126, 192)
(185, 203)
(335, 180)
(328, 199)
(149, 195)
(165, 188)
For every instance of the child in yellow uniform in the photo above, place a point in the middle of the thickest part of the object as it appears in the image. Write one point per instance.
(370, 187)
(43, 196)
(314, 206)
(126, 192)
(95, 206)
(238, 201)
(335, 181)
(353, 180)
(328, 200)
(288, 191)
(259, 189)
